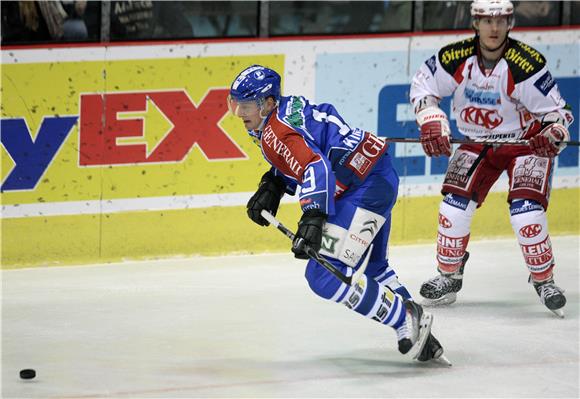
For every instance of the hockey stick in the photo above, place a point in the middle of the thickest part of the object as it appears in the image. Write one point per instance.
(352, 280)
(474, 141)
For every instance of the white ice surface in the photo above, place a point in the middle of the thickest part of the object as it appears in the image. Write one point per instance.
(248, 326)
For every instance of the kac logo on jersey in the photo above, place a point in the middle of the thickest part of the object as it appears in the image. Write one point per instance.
(487, 118)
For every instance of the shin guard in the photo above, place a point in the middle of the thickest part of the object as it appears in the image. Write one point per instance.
(455, 215)
(375, 301)
(530, 225)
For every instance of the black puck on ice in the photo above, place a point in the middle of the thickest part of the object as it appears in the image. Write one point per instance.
(27, 374)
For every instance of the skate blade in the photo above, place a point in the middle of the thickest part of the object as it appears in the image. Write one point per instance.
(447, 299)
(558, 312)
(442, 360)
(424, 331)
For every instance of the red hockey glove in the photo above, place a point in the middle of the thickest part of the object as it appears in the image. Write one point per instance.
(550, 141)
(435, 131)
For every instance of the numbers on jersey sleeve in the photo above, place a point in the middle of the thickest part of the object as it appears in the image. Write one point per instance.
(343, 128)
(308, 181)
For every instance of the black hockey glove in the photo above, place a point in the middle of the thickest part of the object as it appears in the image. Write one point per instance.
(270, 191)
(309, 233)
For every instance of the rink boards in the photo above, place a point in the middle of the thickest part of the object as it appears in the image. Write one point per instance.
(127, 151)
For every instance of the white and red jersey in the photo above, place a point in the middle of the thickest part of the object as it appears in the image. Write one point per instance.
(500, 103)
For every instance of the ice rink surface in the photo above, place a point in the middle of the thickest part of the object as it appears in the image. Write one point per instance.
(248, 326)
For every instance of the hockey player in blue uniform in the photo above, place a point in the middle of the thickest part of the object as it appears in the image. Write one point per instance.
(348, 188)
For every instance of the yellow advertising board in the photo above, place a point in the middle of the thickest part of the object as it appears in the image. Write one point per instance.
(124, 129)
(129, 152)
(131, 137)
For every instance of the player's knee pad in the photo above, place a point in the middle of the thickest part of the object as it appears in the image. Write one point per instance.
(530, 224)
(323, 283)
(349, 245)
(455, 215)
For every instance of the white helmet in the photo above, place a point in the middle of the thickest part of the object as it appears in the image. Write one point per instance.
(491, 8)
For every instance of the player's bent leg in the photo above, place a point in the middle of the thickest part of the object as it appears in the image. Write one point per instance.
(455, 215)
(345, 240)
(366, 297)
(379, 303)
(529, 222)
(379, 268)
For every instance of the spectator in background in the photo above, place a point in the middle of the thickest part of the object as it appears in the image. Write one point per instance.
(446, 15)
(43, 21)
(132, 20)
(54, 15)
(456, 14)
(74, 27)
(139, 20)
(23, 22)
(537, 13)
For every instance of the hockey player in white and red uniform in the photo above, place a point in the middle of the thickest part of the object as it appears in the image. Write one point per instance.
(501, 88)
(347, 190)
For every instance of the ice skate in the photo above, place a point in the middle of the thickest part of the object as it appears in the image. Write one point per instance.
(433, 351)
(415, 330)
(443, 289)
(551, 295)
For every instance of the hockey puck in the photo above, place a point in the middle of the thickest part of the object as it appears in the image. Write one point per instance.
(27, 374)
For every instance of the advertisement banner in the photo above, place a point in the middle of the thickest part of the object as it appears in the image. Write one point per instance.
(128, 151)
(124, 129)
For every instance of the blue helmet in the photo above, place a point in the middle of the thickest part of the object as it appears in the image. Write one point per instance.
(256, 83)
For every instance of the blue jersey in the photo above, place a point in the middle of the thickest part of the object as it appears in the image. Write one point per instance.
(312, 146)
